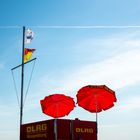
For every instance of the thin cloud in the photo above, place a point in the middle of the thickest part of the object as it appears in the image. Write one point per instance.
(134, 43)
(117, 72)
(130, 104)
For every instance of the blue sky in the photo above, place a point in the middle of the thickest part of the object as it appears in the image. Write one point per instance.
(72, 52)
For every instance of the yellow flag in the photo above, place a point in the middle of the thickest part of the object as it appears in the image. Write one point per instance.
(28, 54)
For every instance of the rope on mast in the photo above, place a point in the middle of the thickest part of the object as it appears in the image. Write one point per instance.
(28, 85)
(15, 87)
(29, 82)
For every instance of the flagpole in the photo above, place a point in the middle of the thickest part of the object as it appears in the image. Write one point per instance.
(22, 81)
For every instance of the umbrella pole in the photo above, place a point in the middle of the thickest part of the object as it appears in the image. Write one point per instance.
(55, 128)
(71, 129)
(96, 118)
(97, 121)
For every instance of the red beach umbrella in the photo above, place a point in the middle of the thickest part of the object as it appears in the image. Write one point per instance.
(96, 98)
(57, 105)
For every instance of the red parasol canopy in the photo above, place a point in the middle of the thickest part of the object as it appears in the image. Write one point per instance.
(57, 105)
(96, 98)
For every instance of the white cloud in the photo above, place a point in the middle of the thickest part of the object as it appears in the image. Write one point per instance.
(121, 131)
(116, 72)
(134, 43)
(130, 104)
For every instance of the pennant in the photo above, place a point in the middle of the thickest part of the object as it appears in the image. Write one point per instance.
(28, 54)
(29, 35)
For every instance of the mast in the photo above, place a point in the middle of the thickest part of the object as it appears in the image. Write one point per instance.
(22, 80)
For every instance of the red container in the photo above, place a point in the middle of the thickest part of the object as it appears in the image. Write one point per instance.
(43, 130)
(84, 130)
(60, 129)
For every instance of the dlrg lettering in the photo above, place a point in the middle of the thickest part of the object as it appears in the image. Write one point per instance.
(36, 128)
